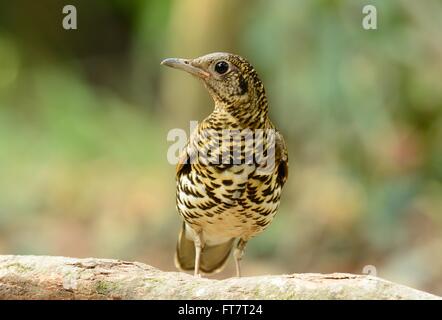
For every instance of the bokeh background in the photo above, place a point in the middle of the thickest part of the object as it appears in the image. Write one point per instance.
(84, 116)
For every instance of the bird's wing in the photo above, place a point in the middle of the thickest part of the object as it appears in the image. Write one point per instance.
(183, 164)
(282, 158)
(187, 155)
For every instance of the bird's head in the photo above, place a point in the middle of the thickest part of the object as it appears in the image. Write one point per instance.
(229, 78)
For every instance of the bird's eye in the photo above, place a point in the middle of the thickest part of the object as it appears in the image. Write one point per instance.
(221, 67)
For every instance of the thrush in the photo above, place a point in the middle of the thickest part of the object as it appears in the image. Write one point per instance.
(230, 194)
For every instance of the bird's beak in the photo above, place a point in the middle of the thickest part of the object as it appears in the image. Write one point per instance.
(185, 65)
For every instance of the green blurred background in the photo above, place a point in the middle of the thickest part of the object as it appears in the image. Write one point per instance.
(84, 116)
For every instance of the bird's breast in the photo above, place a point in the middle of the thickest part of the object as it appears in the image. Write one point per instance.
(235, 202)
(224, 193)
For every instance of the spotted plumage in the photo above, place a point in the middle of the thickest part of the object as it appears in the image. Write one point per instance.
(231, 173)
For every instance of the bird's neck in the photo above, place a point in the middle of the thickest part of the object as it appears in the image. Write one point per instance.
(251, 112)
(246, 115)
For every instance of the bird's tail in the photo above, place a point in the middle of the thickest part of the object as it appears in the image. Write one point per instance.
(213, 258)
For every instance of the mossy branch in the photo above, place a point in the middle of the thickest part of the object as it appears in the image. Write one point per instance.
(42, 277)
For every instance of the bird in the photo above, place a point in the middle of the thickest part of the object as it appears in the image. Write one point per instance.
(227, 198)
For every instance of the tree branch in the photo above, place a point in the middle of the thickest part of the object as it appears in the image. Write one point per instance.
(42, 277)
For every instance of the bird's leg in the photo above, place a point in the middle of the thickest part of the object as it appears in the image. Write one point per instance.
(198, 248)
(237, 254)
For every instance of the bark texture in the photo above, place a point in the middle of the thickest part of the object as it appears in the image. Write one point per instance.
(43, 277)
